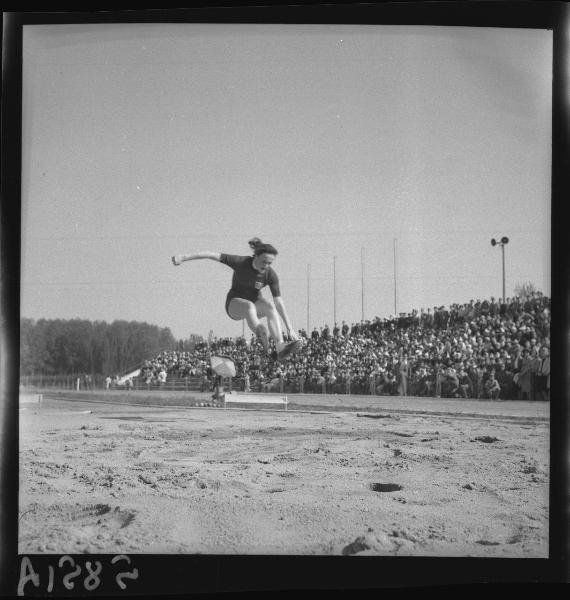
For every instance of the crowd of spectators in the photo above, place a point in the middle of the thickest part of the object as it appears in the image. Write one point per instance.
(481, 349)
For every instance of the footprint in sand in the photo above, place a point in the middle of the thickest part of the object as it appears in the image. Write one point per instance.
(63, 527)
(487, 543)
(385, 487)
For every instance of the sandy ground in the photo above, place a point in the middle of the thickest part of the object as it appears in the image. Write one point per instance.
(410, 477)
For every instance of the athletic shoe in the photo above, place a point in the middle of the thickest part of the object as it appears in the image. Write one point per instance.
(289, 348)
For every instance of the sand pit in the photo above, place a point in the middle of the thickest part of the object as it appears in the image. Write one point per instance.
(102, 478)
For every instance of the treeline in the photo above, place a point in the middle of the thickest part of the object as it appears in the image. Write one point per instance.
(62, 347)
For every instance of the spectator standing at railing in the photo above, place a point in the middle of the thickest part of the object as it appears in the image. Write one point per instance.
(381, 384)
(525, 375)
(301, 382)
(391, 385)
(465, 384)
(504, 307)
(439, 378)
(421, 318)
(148, 378)
(515, 309)
(494, 307)
(331, 381)
(451, 384)
(372, 382)
(445, 316)
(477, 309)
(453, 315)
(492, 387)
(544, 374)
(516, 364)
(535, 363)
(403, 374)
(347, 382)
(205, 382)
(528, 304)
(462, 314)
(505, 380)
(424, 383)
(321, 383)
(437, 318)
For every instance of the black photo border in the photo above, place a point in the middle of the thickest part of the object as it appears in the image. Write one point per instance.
(168, 575)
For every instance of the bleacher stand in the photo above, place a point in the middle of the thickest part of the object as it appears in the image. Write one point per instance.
(483, 349)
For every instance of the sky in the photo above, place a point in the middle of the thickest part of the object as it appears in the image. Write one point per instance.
(378, 160)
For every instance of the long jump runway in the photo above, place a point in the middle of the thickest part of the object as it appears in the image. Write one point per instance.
(115, 472)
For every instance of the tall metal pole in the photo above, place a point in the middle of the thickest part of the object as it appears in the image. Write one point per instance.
(395, 281)
(504, 240)
(503, 253)
(362, 278)
(308, 297)
(334, 288)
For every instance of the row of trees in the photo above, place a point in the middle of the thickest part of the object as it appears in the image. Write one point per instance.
(60, 347)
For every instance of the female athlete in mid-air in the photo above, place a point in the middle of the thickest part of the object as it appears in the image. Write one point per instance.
(244, 301)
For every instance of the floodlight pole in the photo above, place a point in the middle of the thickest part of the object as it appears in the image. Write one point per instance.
(395, 281)
(362, 281)
(503, 257)
(334, 289)
(308, 296)
(502, 242)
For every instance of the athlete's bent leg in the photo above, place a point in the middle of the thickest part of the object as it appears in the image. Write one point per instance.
(240, 308)
(267, 309)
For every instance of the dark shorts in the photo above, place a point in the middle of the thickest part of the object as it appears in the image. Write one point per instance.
(229, 298)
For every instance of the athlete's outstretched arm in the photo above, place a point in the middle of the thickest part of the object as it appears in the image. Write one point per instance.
(280, 306)
(180, 258)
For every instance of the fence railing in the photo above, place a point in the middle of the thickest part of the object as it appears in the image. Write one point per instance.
(67, 382)
(173, 384)
(99, 382)
(200, 384)
(189, 384)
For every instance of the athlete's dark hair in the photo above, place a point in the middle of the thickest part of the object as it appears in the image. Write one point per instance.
(259, 247)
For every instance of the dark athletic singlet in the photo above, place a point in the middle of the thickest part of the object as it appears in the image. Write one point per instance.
(246, 281)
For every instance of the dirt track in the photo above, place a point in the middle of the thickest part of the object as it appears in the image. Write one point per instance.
(371, 476)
